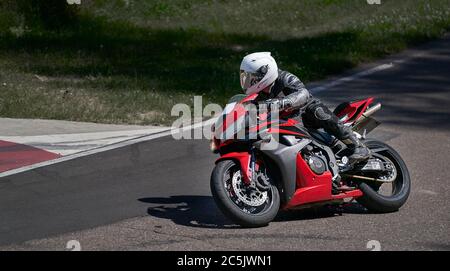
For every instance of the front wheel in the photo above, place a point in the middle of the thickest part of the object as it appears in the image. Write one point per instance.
(389, 196)
(245, 205)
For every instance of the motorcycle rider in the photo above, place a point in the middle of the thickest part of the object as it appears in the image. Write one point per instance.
(259, 73)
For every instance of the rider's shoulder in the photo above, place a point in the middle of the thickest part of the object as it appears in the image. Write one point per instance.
(287, 78)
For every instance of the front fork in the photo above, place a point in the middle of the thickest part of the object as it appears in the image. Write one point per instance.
(252, 174)
(247, 161)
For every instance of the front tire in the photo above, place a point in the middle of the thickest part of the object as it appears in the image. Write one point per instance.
(237, 210)
(401, 187)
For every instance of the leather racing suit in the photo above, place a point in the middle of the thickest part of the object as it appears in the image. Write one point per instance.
(290, 93)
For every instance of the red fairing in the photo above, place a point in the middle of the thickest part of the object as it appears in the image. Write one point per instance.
(237, 112)
(310, 186)
(244, 160)
(354, 110)
(315, 188)
(289, 122)
(250, 98)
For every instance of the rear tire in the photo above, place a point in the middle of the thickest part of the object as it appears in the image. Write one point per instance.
(230, 209)
(376, 202)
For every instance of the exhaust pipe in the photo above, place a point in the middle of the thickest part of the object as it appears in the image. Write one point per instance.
(369, 112)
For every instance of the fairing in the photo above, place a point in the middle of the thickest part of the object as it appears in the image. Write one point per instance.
(351, 111)
(300, 185)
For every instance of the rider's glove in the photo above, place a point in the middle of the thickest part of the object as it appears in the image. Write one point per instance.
(279, 103)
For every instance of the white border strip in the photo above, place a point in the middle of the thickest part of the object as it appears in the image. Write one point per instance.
(177, 130)
(351, 78)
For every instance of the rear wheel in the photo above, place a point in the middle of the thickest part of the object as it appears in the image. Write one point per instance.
(390, 195)
(248, 206)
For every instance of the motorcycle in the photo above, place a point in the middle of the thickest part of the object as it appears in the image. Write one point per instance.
(282, 165)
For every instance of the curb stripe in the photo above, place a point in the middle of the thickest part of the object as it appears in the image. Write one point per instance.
(13, 156)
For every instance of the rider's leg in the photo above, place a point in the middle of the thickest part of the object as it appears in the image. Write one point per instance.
(318, 115)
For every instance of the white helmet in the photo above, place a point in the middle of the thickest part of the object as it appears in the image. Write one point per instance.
(258, 71)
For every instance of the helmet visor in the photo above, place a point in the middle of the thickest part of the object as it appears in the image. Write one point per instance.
(247, 79)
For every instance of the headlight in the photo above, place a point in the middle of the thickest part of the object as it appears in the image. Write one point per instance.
(213, 146)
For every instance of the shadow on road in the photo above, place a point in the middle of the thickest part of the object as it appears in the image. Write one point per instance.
(192, 211)
(201, 212)
(321, 212)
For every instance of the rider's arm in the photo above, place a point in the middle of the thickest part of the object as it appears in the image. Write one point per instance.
(295, 90)
(296, 94)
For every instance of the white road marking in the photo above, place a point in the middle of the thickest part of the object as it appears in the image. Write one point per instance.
(73, 154)
(351, 78)
(67, 144)
(427, 192)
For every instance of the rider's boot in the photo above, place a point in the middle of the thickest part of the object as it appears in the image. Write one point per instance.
(358, 152)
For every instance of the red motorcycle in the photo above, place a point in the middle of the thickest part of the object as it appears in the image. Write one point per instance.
(281, 164)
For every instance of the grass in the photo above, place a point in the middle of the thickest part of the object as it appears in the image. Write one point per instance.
(130, 61)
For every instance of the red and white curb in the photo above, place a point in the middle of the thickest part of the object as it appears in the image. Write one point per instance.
(64, 147)
(13, 155)
(22, 153)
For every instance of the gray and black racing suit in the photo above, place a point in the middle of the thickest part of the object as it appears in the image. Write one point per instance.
(290, 93)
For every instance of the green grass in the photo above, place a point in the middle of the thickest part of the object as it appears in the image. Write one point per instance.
(130, 63)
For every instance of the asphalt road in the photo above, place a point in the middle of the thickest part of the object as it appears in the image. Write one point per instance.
(155, 195)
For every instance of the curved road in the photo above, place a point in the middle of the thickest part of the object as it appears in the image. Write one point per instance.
(155, 195)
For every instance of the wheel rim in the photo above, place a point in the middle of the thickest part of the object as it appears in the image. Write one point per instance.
(249, 199)
(390, 189)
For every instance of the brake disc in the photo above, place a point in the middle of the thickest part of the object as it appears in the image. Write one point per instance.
(250, 196)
